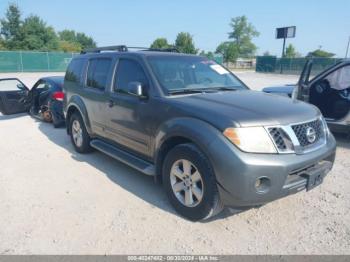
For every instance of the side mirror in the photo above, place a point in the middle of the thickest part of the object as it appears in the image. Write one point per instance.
(136, 88)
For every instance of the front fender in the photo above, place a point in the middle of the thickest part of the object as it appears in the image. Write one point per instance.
(199, 132)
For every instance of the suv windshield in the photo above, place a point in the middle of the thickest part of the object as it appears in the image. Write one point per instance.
(191, 73)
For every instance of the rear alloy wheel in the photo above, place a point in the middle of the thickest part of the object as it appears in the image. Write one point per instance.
(79, 136)
(77, 133)
(190, 183)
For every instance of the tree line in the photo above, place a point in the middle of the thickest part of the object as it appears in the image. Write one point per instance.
(32, 33)
(238, 45)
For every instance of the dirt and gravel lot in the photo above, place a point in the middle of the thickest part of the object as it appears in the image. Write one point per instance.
(55, 201)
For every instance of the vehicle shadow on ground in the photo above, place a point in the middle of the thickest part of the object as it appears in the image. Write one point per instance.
(131, 180)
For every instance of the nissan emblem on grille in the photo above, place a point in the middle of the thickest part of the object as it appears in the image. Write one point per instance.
(310, 134)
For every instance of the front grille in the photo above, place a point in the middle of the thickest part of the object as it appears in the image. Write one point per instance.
(276, 134)
(302, 129)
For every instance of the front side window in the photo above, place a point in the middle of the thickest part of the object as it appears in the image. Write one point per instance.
(128, 71)
(176, 73)
(11, 85)
(98, 73)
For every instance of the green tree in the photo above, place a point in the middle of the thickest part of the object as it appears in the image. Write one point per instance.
(242, 35)
(11, 28)
(320, 53)
(37, 35)
(68, 35)
(291, 52)
(85, 41)
(229, 50)
(2, 44)
(67, 46)
(73, 41)
(209, 55)
(34, 34)
(160, 43)
(185, 44)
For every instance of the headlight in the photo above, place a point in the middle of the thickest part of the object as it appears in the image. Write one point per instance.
(251, 139)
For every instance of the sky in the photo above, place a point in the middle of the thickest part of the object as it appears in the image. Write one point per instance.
(320, 23)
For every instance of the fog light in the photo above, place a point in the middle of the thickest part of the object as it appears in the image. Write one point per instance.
(262, 185)
(258, 183)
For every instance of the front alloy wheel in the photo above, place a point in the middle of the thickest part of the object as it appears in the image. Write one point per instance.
(187, 183)
(190, 183)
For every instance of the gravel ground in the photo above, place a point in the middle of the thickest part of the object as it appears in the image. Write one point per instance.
(55, 201)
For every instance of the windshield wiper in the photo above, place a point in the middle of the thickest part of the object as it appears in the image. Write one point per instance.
(201, 90)
(186, 91)
(222, 88)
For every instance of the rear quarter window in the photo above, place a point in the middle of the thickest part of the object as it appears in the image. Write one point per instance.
(74, 71)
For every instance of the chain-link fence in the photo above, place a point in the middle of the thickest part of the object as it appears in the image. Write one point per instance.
(272, 64)
(28, 61)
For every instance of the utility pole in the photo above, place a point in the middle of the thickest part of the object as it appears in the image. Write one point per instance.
(284, 33)
(347, 48)
(283, 54)
(284, 48)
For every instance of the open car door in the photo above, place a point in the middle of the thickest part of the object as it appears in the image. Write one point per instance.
(302, 91)
(13, 96)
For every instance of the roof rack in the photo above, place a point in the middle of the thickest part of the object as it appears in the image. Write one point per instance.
(170, 49)
(119, 48)
(124, 48)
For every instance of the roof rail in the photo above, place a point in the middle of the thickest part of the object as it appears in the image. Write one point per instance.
(119, 48)
(124, 48)
(169, 49)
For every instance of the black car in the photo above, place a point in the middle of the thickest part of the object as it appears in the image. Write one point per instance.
(194, 126)
(43, 101)
(329, 91)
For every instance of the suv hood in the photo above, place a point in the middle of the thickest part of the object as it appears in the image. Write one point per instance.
(245, 108)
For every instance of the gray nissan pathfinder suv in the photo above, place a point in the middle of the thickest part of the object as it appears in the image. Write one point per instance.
(195, 127)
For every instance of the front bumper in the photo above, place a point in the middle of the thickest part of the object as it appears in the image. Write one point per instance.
(237, 172)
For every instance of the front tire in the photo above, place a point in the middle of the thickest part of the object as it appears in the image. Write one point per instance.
(79, 136)
(190, 183)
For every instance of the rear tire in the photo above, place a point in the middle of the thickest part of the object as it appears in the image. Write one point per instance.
(79, 136)
(187, 171)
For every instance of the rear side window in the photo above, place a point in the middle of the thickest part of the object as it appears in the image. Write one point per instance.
(74, 71)
(128, 71)
(98, 73)
(42, 85)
